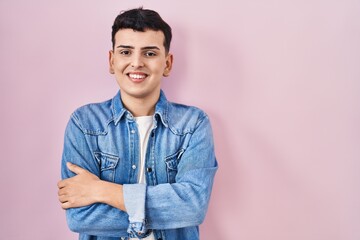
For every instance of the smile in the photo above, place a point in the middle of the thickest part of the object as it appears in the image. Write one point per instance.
(137, 75)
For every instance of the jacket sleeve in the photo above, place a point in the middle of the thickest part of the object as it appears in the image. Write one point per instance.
(96, 219)
(183, 203)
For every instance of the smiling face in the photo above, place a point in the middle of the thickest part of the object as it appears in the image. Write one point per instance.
(139, 61)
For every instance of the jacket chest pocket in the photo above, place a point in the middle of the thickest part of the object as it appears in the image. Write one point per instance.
(172, 162)
(107, 163)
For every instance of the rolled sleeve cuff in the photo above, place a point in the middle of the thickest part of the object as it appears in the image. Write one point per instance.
(134, 200)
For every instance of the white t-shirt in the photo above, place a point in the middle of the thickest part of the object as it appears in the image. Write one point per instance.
(145, 125)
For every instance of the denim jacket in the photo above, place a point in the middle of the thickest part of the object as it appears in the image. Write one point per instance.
(180, 167)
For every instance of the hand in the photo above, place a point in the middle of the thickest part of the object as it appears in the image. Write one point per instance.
(80, 190)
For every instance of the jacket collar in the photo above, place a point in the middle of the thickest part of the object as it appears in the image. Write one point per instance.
(119, 111)
(161, 108)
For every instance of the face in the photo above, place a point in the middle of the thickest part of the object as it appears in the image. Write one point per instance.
(139, 61)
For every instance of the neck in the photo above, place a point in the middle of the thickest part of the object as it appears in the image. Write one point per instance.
(140, 106)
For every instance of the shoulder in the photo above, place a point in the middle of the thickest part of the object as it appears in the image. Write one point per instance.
(184, 119)
(93, 118)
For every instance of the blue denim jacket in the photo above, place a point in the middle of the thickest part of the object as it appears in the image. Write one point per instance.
(180, 168)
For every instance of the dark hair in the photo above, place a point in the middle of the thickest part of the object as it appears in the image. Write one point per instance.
(140, 19)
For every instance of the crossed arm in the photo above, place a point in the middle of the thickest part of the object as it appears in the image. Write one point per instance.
(86, 188)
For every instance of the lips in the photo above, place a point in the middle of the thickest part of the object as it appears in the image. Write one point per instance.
(137, 76)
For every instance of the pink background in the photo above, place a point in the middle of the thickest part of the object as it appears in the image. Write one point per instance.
(280, 80)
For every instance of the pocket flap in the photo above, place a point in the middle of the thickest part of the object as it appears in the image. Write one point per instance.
(172, 161)
(106, 161)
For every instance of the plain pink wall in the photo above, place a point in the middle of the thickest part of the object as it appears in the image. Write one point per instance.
(280, 80)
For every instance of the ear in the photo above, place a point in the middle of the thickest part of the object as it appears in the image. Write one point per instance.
(111, 62)
(169, 63)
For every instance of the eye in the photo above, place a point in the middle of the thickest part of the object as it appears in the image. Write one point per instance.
(150, 54)
(124, 52)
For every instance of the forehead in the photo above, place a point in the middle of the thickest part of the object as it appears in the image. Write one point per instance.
(139, 39)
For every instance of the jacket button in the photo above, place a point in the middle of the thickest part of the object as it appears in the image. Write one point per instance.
(133, 166)
(149, 169)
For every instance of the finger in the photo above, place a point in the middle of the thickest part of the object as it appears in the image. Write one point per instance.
(62, 191)
(69, 203)
(74, 168)
(61, 184)
(65, 205)
(63, 199)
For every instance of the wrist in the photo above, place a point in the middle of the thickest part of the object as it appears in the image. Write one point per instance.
(111, 194)
(100, 191)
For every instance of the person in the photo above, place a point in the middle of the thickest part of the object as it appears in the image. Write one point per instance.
(137, 166)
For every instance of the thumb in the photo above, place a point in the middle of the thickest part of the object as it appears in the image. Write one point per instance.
(74, 168)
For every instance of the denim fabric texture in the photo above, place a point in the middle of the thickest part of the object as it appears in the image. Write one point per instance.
(180, 168)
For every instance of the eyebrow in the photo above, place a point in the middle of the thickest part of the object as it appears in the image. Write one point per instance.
(143, 48)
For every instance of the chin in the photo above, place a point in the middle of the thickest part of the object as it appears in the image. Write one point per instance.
(135, 94)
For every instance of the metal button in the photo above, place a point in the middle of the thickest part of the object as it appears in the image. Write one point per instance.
(133, 166)
(149, 169)
(133, 131)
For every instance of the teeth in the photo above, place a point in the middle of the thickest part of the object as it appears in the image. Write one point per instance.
(137, 76)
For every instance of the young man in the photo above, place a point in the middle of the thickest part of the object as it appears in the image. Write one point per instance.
(137, 165)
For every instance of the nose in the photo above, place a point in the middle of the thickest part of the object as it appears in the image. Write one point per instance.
(137, 61)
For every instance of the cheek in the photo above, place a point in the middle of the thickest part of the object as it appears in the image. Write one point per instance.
(159, 67)
(119, 64)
